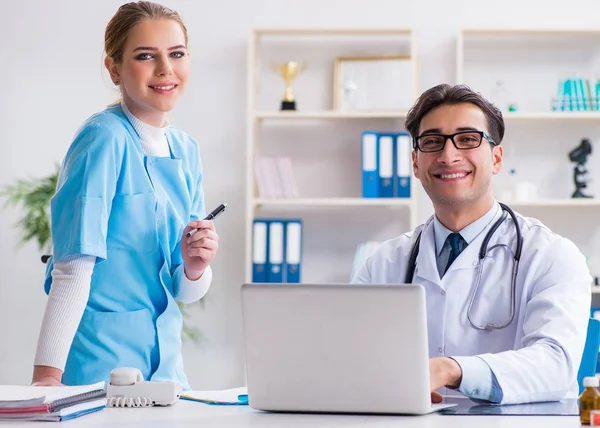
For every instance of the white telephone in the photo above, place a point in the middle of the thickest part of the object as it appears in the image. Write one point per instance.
(128, 388)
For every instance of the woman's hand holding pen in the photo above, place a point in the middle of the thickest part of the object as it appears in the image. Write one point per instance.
(199, 250)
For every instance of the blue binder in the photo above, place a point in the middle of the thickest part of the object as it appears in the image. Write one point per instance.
(403, 165)
(293, 250)
(370, 171)
(386, 165)
(275, 251)
(260, 234)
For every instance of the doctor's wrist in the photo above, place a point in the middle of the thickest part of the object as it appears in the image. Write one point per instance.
(453, 373)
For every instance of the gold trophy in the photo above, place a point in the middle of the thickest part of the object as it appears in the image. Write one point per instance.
(288, 71)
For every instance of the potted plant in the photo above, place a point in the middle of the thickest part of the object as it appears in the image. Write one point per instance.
(33, 197)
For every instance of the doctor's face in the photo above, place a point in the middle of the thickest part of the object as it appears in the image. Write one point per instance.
(154, 69)
(456, 178)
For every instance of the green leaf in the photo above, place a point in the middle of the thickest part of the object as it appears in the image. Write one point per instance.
(33, 197)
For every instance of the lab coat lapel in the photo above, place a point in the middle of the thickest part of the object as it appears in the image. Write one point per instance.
(426, 264)
(469, 257)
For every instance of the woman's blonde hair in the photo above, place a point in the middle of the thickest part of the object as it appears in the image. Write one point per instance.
(129, 15)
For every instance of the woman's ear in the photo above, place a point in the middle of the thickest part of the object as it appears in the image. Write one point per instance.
(113, 69)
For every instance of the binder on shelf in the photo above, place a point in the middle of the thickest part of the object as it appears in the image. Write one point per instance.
(386, 165)
(260, 235)
(403, 165)
(370, 171)
(293, 251)
(275, 251)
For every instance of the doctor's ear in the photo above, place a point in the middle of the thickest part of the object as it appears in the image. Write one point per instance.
(113, 69)
(497, 159)
(415, 164)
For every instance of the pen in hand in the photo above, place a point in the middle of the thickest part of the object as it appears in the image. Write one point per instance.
(214, 214)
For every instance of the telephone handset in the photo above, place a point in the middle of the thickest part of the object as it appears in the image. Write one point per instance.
(128, 388)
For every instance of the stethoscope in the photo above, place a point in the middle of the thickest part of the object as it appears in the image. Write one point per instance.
(482, 252)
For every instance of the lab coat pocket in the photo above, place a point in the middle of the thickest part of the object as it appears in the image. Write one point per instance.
(106, 340)
(132, 223)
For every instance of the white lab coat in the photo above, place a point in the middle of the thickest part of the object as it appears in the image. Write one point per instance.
(536, 358)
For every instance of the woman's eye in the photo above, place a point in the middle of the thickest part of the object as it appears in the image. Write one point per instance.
(144, 56)
(178, 54)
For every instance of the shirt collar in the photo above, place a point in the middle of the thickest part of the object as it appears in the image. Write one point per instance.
(469, 233)
(147, 133)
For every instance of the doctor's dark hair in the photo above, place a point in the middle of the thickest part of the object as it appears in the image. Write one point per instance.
(445, 94)
(129, 15)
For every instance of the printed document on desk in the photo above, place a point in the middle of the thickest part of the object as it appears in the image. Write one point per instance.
(231, 397)
(42, 403)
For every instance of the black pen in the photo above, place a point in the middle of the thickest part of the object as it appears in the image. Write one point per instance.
(214, 214)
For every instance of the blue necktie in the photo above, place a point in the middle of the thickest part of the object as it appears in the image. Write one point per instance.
(455, 241)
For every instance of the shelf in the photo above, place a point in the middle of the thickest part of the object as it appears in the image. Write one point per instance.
(553, 115)
(333, 31)
(592, 202)
(330, 114)
(595, 289)
(333, 202)
(530, 31)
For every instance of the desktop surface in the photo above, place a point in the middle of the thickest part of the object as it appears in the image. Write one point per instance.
(191, 414)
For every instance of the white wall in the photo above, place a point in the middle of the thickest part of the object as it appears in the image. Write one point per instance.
(52, 79)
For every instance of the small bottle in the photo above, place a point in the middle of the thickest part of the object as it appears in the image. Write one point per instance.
(589, 399)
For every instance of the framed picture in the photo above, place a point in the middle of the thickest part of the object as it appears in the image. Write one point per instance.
(373, 83)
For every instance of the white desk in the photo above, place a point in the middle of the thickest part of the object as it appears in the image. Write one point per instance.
(198, 415)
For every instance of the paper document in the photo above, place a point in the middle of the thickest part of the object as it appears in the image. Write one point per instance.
(22, 395)
(44, 403)
(234, 396)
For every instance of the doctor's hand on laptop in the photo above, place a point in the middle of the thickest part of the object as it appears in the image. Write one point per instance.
(443, 372)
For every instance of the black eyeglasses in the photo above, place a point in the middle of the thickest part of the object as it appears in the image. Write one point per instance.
(464, 140)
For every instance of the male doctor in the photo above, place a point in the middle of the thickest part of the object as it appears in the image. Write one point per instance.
(456, 150)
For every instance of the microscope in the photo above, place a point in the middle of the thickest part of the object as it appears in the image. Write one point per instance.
(579, 155)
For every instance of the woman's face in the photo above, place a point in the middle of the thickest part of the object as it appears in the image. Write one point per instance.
(154, 69)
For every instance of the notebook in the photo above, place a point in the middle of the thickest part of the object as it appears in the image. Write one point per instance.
(50, 403)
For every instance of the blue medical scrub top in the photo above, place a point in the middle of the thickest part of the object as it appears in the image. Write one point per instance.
(129, 210)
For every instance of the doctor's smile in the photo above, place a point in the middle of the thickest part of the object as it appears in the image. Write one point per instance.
(451, 176)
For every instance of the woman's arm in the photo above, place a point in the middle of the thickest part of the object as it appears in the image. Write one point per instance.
(71, 278)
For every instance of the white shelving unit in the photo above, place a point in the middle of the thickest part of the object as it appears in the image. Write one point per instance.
(334, 202)
(529, 63)
(315, 136)
(274, 115)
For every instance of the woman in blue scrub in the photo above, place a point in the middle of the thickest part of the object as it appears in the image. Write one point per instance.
(130, 188)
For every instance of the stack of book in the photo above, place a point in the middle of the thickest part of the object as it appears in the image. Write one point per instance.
(56, 404)
(275, 177)
(577, 95)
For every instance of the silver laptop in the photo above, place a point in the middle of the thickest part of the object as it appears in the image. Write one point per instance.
(337, 348)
